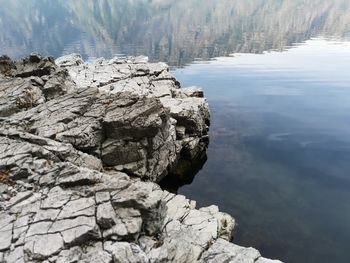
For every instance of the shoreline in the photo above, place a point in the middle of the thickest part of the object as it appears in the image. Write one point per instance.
(83, 148)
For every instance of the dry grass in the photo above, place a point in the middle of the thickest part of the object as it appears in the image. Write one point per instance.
(5, 178)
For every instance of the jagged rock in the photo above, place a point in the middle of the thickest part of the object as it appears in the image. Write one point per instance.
(179, 246)
(70, 255)
(18, 94)
(188, 232)
(81, 156)
(94, 254)
(127, 224)
(144, 197)
(190, 113)
(106, 216)
(223, 251)
(193, 91)
(102, 123)
(114, 131)
(98, 256)
(37, 161)
(124, 252)
(69, 60)
(34, 65)
(187, 107)
(6, 66)
(29, 82)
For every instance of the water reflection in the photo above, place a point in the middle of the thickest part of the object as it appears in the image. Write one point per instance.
(279, 157)
(280, 138)
(175, 31)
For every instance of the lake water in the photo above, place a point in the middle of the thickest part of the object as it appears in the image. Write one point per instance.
(279, 157)
(276, 75)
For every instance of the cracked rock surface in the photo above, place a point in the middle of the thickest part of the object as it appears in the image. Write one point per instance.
(82, 148)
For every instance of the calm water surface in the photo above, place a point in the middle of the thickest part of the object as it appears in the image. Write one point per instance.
(276, 74)
(279, 157)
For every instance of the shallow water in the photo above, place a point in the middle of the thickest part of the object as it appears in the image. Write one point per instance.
(276, 77)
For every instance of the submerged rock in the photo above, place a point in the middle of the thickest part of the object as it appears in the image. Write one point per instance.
(81, 157)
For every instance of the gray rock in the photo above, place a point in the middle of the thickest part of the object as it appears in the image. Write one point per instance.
(106, 216)
(77, 230)
(225, 223)
(266, 260)
(43, 246)
(223, 251)
(102, 197)
(91, 254)
(20, 228)
(19, 94)
(56, 198)
(70, 255)
(193, 91)
(69, 60)
(40, 228)
(124, 252)
(20, 197)
(134, 76)
(142, 196)
(29, 85)
(126, 225)
(6, 225)
(139, 125)
(82, 147)
(7, 66)
(191, 113)
(46, 215)
(78, 207)
(15, 256)
(98, 256)
(180, 244)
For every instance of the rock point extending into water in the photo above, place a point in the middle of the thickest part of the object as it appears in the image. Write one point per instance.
(82, 148)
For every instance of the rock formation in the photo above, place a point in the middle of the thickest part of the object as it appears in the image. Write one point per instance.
(82, 148)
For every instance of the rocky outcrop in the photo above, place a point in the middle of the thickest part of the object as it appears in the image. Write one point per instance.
(80, 163)
(29, 82)
(166, 128)
(131, 115)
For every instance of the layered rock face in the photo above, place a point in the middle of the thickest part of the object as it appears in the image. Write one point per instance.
(82, 146)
